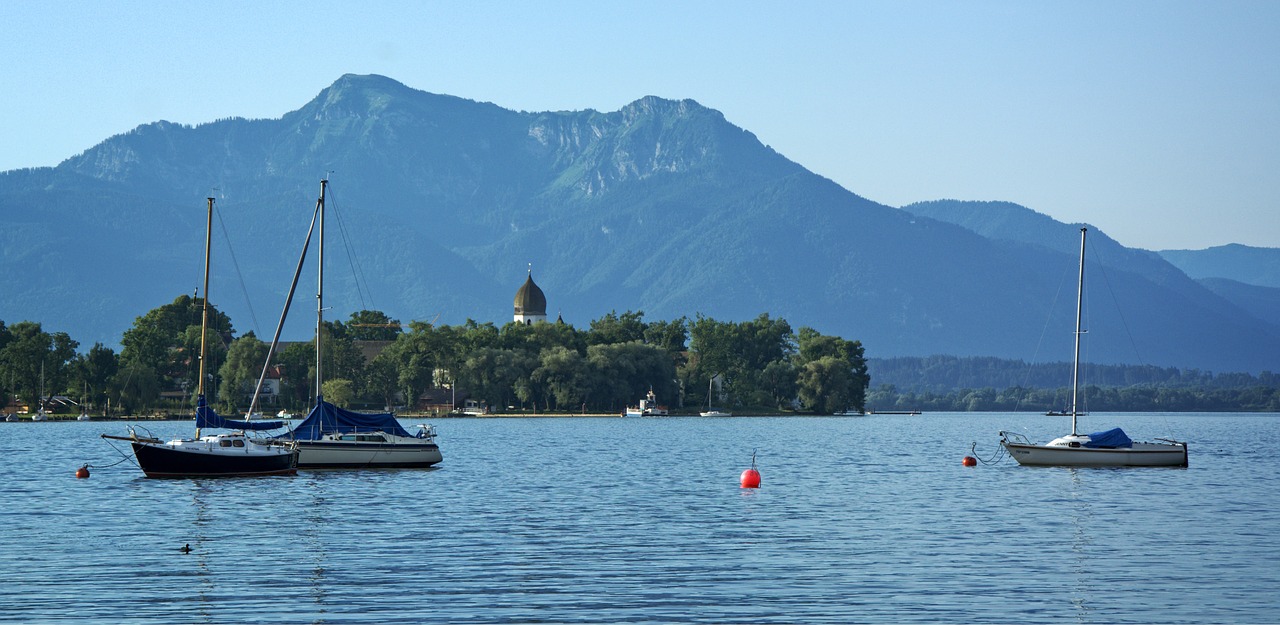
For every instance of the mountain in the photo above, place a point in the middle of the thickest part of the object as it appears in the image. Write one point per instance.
(1259, 266)
(1010, 222)
(439, 206)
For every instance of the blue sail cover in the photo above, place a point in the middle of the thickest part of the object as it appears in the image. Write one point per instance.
(207, 418)
(327, 418)
(1114, 437)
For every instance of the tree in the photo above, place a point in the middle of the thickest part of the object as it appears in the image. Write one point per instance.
(6, 379)
(381, 380)
(815, 347)
(614, 328)
(826, 386)
(34, 360)
(297, 373)
(341, 359)
(669, 335)
(622, 373)
(338, 392)
(563, 374)
(92, 373)
(136, 387)
(241, 370)
(373, 325)
(490, 374)
(166, 341)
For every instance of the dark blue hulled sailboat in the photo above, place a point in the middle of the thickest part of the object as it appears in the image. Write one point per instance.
(220, 455)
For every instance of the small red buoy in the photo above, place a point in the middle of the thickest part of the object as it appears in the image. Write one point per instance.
(751, 477)
(970, 461)
(82, 472)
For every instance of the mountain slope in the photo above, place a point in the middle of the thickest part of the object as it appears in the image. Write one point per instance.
(1258, 266)
(661, 206)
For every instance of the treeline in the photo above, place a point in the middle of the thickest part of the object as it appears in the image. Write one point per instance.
(943, 374)
(1092, 398)
(950, 383)
(760, 364)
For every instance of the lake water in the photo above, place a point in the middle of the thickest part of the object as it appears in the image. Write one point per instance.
(642, 520)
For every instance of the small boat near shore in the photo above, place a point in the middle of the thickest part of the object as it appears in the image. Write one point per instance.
(712, 412)
(648, 407)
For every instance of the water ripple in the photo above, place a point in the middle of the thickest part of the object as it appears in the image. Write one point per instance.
(641, 520)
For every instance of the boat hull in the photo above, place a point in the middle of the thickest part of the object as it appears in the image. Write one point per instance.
(195, 459)
(350, 455)
(1139, 455)
(647, 412)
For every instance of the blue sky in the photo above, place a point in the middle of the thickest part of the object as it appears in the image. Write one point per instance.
(1156, 121)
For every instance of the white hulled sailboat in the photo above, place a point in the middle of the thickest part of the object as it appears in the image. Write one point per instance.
(1111, 448)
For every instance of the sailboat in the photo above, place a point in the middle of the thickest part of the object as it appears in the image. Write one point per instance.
(220, 455)
(40, 414)
(711, 412)
(333, 437)
(1110, 448)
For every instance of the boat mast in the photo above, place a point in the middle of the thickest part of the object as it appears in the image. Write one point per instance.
(204, 309)
(288, 301)
(1075, 370)
(320, 291)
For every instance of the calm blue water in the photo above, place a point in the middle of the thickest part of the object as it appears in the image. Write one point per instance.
(641, 520)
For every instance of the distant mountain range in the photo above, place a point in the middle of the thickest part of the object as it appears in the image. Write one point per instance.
(440, 205)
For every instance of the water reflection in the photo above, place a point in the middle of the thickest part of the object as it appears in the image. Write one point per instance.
(1080, 511)
(206, 591)
(316, 523)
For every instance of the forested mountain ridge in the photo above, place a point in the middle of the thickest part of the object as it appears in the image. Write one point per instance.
(1259, 266)
(1240, 275)
(662, 206)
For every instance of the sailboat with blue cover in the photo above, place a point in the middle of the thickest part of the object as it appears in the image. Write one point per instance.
(230, 454)
(333, 437)
(1109, 448)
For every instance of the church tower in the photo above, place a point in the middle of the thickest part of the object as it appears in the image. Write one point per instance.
(531, 304)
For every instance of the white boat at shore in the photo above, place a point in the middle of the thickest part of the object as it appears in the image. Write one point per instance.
(648, 408)
(712, 412)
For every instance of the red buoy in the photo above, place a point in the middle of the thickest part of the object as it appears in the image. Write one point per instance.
(970, 461)
(751, 477)
(83, 472)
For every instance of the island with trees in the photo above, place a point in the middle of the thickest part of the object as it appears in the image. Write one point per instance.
(757, 366)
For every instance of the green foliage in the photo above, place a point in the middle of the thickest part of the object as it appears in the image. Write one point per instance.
(373, 325)
(92, 373)
(32, 359)
(827, 385)
(761, 365)
(741, 354)
(614, 328)
(297, 374)
(240, 371)
(339, 392)
(166, 341)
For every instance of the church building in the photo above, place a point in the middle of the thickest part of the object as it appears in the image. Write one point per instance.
(531, 304)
